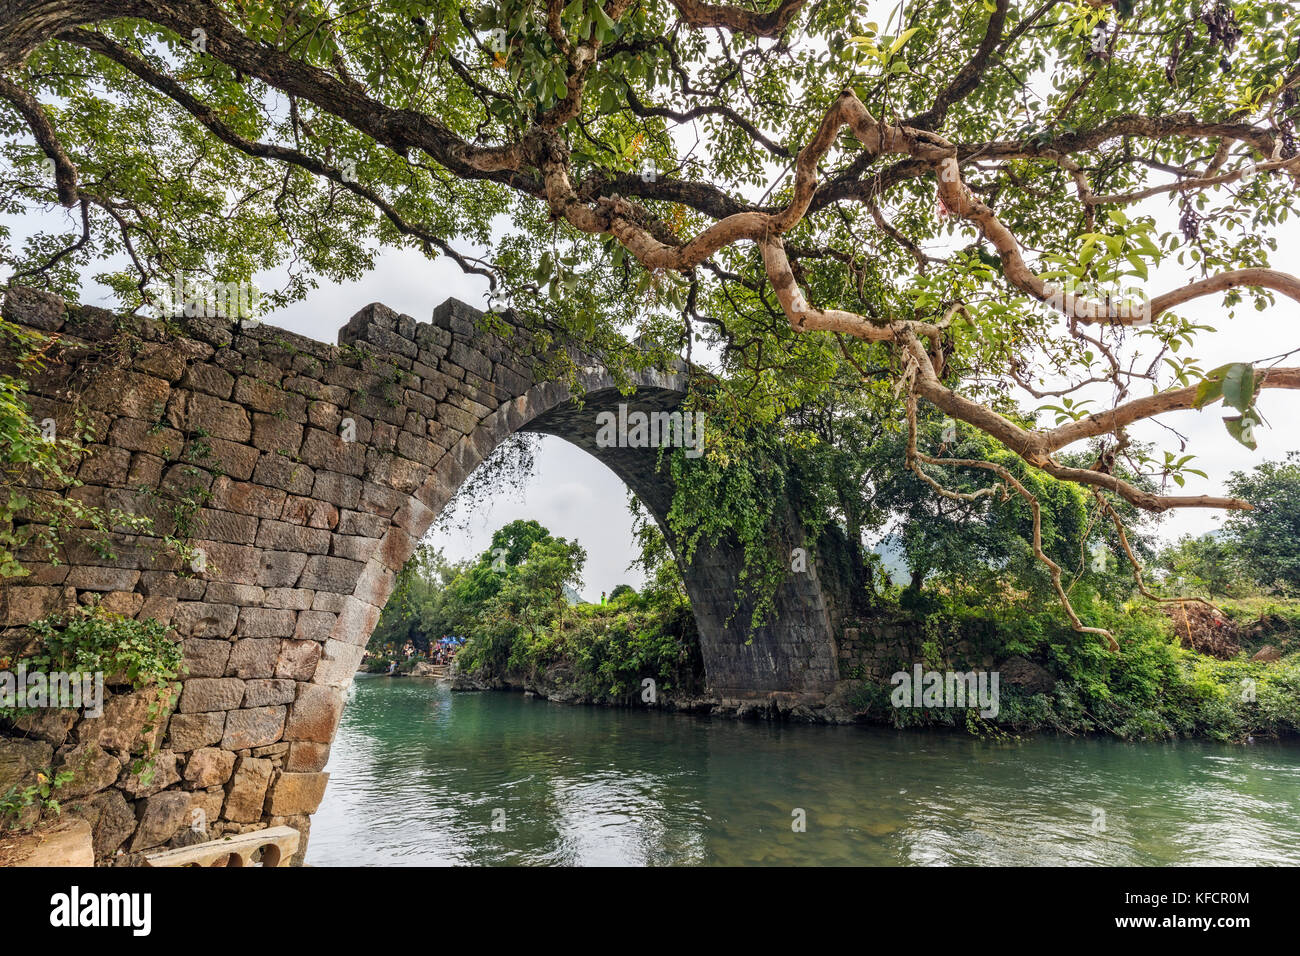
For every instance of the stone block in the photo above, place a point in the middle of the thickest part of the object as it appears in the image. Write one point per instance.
(136, 434)
(252, 657)
(208, 767)
(247, 498)
(274, 434)
(297, 660)
(277, 471)
(330, 574)
(93, 769)
(226, 526)
(111, 820)
(265, 622)
(253, 727)
(264, 693)
(201, 413)
(315, 714)
(297, 793)
(310, 512)
(157, 774)
(105, 465)
(246, 792)
(209, 379)
(295, 599)
(102, 579)
(330, 452)
(227, 457)
(133, 722)
(352, 547)
(206, 658)
(160, 816)
(283, 536)
(263, 397)
(202, 694)
(355, 622)
(240, 595)
(307, 756)
(341, 490)
(200, 619)
(123, 392)
(188, 732)
(280, 569)
(314, 625)
(22, 605)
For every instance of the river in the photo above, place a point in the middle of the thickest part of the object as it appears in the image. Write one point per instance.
(422, 776)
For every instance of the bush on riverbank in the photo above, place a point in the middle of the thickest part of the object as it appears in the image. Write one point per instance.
(605, 651)
(1152, 689)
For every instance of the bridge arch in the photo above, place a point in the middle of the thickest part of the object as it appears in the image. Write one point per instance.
(320, 467)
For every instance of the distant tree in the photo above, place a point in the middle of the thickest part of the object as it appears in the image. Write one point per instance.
(620, 590)
(509, 547)
(1268, 537)
(1210, 564)
(528, 601)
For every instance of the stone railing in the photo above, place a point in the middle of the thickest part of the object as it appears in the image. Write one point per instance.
(274, 846)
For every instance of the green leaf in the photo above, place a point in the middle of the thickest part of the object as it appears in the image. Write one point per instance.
(1242, 428)
(603, 18)
(1239, 386)
(902, 39)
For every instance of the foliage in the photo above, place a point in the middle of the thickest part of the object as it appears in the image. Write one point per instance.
(1211, 564)
(1152, 689)
(511, 604)
(139, 653)
(17, 799)
(1268, 536)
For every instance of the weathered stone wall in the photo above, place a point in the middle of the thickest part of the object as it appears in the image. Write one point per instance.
(303, 533)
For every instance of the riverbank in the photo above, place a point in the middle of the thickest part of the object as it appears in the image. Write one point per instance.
(1154, 688)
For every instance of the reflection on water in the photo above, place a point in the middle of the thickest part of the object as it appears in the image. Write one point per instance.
(422, 776)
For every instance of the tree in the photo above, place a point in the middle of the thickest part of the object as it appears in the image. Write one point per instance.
(1211, 563)
(527, 603)
(1268, 537)
(948, 204)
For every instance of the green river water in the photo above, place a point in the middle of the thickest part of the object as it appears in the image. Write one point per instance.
(422, 776)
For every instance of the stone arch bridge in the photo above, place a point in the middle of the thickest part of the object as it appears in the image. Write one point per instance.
(303, 533)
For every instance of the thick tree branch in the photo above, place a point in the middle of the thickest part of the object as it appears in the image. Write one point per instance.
(65, 173)
(738, 20)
